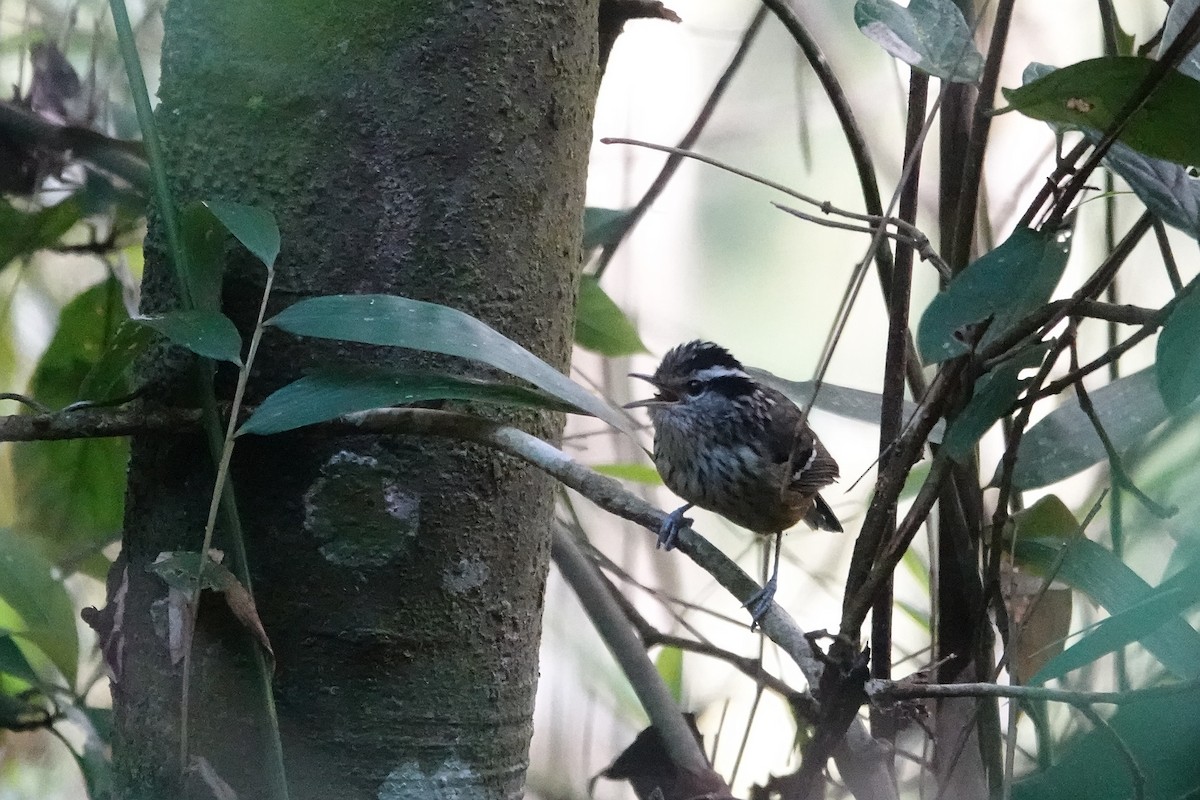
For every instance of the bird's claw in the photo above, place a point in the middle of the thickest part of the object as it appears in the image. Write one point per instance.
(760, 602)
(668, 533)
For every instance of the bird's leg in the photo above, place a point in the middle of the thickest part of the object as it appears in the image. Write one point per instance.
(761, 600)
(668, 532)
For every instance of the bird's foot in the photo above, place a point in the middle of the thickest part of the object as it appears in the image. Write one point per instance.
(760, 602)
(668, 533)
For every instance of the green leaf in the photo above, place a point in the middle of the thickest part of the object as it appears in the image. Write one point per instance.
(1003, 286)
(111, 376)
(669, 664)
(72, 493)
(930, 35)
(603, 226)
(1177, 365)
(1064, 442)
(1091, 93)
(1098, 573)
(254, 227)
(25, 233)
(205, 245)
(13, 661)
(329, 393)
(401, 322)
(206, 333)
(29, 586)
(636, 473)
(602, 327)
(993, 397)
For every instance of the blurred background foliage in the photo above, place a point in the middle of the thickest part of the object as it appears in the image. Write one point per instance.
(712, 259)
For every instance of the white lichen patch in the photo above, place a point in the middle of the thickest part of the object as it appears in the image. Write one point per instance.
(468, 573)
(455, 780)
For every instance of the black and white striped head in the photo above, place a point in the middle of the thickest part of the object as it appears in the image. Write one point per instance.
(698, 373)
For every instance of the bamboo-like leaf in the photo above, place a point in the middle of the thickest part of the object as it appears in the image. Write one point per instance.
(254, 227)
(206, 333)
(600, 324)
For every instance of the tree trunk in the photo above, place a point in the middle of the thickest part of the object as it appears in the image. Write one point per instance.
(432, 150)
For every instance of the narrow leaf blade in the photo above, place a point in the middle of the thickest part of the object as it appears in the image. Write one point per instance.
(210, 334)
(254, 227)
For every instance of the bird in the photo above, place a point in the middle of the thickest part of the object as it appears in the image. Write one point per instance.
(729, 444)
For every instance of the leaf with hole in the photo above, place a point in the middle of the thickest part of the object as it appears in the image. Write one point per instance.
(400, 322)
(600, 325)
(994, 395)
(29, 585)
(210, 334)
(1064, 442)
(929, 35)
(999, 289)
(1090, 94)
(329, 393)
(1177, 366)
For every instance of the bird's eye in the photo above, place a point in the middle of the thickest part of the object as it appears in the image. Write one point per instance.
(695, 387)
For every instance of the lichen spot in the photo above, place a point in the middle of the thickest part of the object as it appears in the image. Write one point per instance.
(468, 573)
(454, 780)
(359, 513)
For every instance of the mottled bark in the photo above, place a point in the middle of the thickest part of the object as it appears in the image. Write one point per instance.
(433, 150)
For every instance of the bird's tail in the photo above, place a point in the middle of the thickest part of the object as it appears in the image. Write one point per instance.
(821, 516)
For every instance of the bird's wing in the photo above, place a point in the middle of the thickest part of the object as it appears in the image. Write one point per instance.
(813, 468)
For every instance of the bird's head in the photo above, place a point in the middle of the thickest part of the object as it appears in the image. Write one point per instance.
(696, 374)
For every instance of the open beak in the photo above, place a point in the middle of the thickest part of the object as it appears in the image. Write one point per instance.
(662, 399)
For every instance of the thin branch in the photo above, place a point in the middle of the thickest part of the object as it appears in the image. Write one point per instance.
(1168, 256)
(689, 139)
(896, 691)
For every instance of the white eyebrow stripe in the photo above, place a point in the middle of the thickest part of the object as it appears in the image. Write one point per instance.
(712, 373)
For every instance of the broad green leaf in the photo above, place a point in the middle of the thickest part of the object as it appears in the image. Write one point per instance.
(1166, 188)
(205, 245)
(1099, 574)
(22, 233)
(111, 376)
(29, 585)
(1003, 286)
(636, 473)
(841, 400)
(600, 325)
(206, 333)
(993, 397)
(13, 661)
(401, 322)
(603, 226)
(669, 664)
(1163, 738)
(1177, 365)
(1064, 442)
(254, 227)
(930, 35)
(329, 393)
(72, 493)
(1091, 93)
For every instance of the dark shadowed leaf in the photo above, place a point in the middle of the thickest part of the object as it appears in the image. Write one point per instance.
(72, 493)
(22, 233)
(28, 584)
(993, 397)
(111, 376)
(205, 244)
(206, 333)
(401, 322)
(1091, 93)
(841, 400)
(1102, 576)
(1003, 286)
(1064, 442)
(329, 393)
(13, 661)
(254, 227)
(931, 35)
(1178, 360)
(603, 226)
(600, 325)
